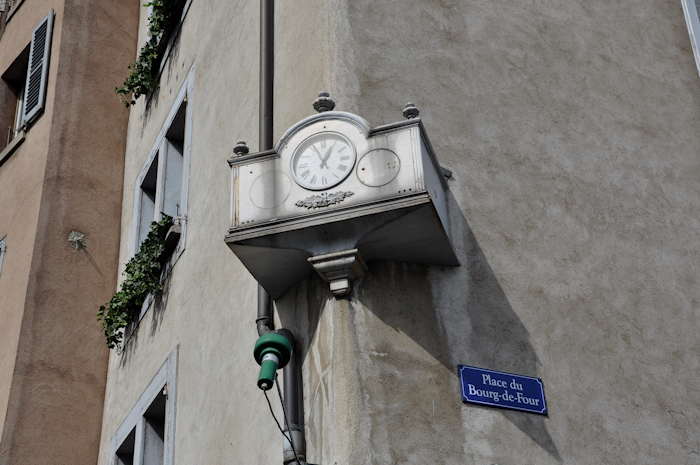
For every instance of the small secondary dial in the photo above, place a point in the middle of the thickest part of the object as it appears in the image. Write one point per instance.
(323, 160)
(378, 167)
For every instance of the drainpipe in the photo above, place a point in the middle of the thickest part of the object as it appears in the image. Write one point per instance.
(293, 406)
(265, 320)
(293, 400)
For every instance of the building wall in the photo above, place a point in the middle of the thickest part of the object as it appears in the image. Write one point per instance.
(65, 176)
(21, 177)
(570, 128)
(208, 316)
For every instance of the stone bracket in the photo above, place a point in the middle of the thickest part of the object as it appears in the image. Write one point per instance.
(339, 269)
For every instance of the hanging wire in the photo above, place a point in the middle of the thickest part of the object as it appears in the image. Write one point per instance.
(274, 417)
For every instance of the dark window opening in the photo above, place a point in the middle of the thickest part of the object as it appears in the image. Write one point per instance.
(171, 30)
(154, 431)
(149, 187)
(125, 452)
(12, 87)
(174, 145)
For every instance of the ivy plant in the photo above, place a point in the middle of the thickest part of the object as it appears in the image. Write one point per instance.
(142, 276)
(144, 71)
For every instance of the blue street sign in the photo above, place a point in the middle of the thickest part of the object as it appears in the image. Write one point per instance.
(499, 389)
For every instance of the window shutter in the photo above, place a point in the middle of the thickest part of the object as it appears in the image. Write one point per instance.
(38, 70)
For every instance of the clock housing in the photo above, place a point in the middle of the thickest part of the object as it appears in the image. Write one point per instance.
(389, 202)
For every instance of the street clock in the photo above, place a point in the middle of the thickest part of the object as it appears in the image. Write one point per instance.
(323, 161)
(335, 194)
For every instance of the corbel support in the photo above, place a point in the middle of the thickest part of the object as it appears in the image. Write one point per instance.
(339, 269)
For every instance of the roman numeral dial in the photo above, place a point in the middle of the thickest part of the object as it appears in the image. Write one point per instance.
(323, 160)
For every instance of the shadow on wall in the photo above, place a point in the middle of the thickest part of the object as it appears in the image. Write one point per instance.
(459, 315)
(155, 311)
(168, 64)
(456, 315)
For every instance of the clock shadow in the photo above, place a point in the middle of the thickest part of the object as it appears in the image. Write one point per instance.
(412, 325)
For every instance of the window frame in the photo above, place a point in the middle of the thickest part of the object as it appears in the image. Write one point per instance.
(165, 378)
(160, 147)
(692, 21)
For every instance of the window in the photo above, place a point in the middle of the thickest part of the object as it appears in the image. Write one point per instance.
(146, 437)
(176, 13)
(173, 146)
(13, 85)
(691, 10)
(125, 452)
(150, 431)
(148, 188)
(154, 431)
(23, 89)
(161, 185)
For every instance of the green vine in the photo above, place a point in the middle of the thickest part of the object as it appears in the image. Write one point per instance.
(141, 278)
(144, 71)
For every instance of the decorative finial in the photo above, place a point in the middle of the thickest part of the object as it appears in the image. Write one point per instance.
(324, 102)
(241, 148)
(410, 111)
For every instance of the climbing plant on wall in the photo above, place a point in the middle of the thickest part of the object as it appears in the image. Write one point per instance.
(144, 71)
(142, 276)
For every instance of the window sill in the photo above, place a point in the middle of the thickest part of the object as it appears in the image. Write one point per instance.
(11, 147)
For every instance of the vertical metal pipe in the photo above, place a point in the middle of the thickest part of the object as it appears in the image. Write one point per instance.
(265, 320)
(294, 407)
(293, 384)
(267, 71)
(292, 391)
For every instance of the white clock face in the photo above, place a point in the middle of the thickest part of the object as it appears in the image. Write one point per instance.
(323, 160)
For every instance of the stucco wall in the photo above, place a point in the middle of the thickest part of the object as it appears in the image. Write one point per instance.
(571, 131)
(209, 313)
(21, 177)
(66, 176)
(571, 128)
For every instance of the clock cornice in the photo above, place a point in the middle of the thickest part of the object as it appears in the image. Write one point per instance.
(355, 120)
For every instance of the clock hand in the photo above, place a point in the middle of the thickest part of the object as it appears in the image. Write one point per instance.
(320, 157)
(324, 161)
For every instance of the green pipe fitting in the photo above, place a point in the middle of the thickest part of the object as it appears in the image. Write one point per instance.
(272, 351)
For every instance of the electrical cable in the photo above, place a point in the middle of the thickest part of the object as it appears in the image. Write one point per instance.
(274, 417)
(286, 422)
(269, 404)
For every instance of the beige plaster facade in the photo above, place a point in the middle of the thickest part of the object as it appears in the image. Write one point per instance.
(571, 132)
(64, 176)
